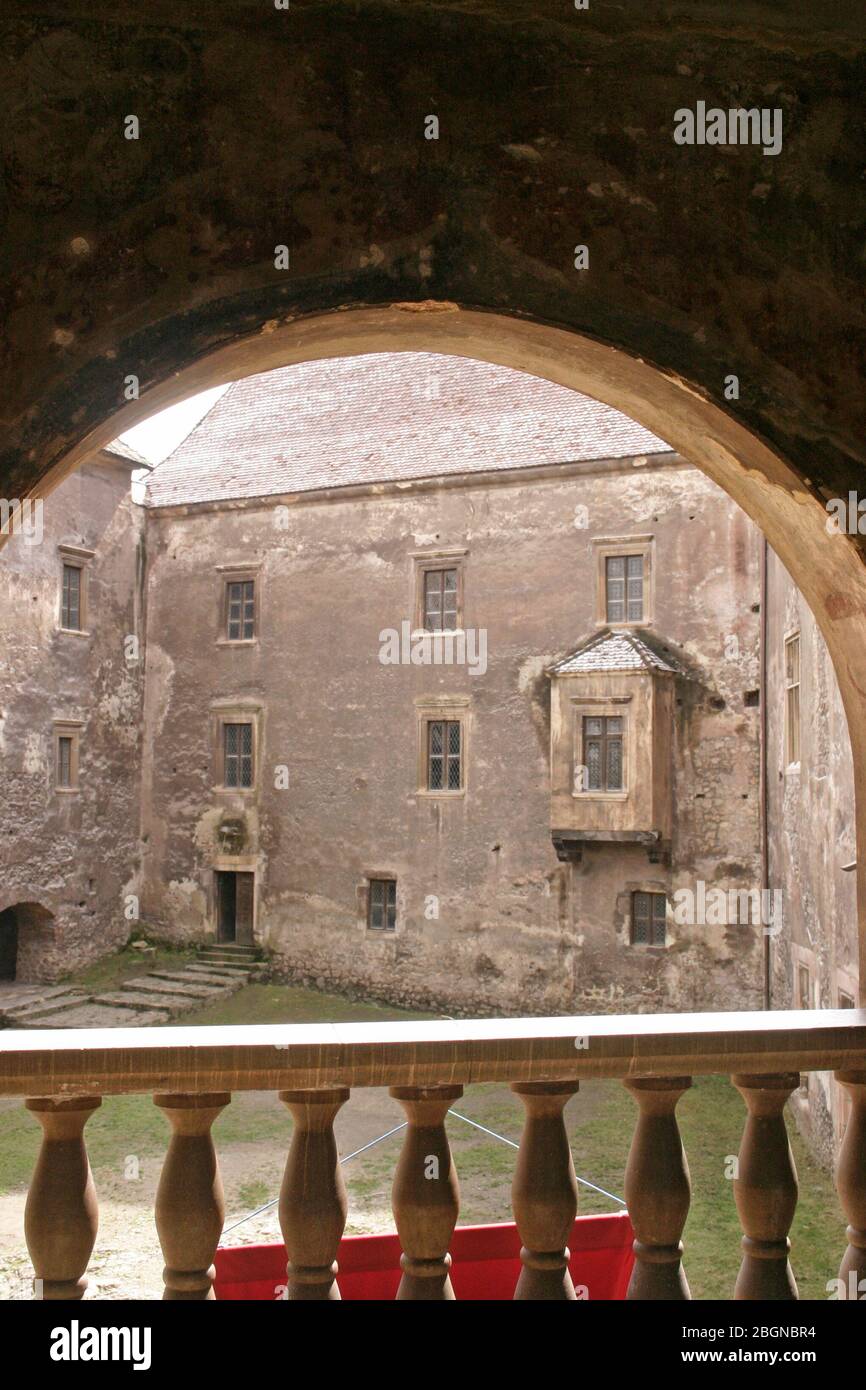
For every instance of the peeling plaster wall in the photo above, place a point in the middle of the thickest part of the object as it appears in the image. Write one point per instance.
(75, 855)
(516, 929)
(811, 835)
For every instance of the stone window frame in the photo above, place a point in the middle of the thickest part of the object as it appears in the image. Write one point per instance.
(624, 902)
(595, 707)
(79, 558)
(452, 557)
(238, 711)
(428, 709)
(608, 546)
(71, 729)
(792, 765)
(238, 574)
(845, 983)
(802, 957)
(369, 876)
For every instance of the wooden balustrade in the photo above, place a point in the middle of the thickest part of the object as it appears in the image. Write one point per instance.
(192, 1072)
(313, 1203)
(544, 1191)
(657, 1189)
(426, 1195)
(765, 1189)
(851, 1186)
(61, 1217)
(189, 1199)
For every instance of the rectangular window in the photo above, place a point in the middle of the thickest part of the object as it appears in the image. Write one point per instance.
(382, 904)
(444, 756)
(648, 914)
(237, 755)
(804, 986)
(440, 600)
(602, 753)
(64, 761)
(845, 1001)
(792, 699)
(240, 610)
(70, 608)
(624, 588)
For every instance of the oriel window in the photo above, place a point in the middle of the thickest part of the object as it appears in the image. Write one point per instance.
(602, 753)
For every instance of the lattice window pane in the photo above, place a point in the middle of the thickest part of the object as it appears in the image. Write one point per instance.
(377, 904)
(454, 779)
(614, 764)
(592, 757)
(71, 607)
(436, 759)
(635, 588)
(641, 919)
(64, 762)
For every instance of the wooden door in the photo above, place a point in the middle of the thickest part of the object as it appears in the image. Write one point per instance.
(244, 903)
(226, 905)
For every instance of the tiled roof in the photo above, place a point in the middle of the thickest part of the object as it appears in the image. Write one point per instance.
(386, 417)
(615, 651)
(122, 450)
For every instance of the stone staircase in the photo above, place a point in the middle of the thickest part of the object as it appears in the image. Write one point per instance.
(156, 997)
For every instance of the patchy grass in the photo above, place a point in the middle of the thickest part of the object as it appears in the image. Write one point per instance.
(291, 1004)
(111, 972)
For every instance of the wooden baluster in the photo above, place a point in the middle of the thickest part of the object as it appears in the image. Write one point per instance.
(657, 1189)
(851, 1186)
(765, 1189)
(189, 1199)
(544, 1191)
(313, 1202)
(426, 1195)
(61, 1214)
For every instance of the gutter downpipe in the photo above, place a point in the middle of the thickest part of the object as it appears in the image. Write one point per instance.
(762, 788)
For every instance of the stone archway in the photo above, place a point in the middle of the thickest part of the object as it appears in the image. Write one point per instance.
(827, 568)
(23, 928)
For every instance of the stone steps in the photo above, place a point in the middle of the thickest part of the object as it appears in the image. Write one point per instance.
(50, 1003)
(147, 1000)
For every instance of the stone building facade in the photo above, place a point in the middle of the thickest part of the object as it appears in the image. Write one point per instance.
(350, 866)
(811, 832)
(71, 685)
(503, 814)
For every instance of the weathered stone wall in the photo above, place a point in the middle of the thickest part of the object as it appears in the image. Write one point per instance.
(811, 835)
(516, 929)
(73, 854)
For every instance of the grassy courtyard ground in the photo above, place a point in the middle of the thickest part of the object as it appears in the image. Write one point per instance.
(127, 1136)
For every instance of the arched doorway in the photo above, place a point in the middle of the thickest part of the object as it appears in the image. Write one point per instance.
(23, 926)
(826, 567)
